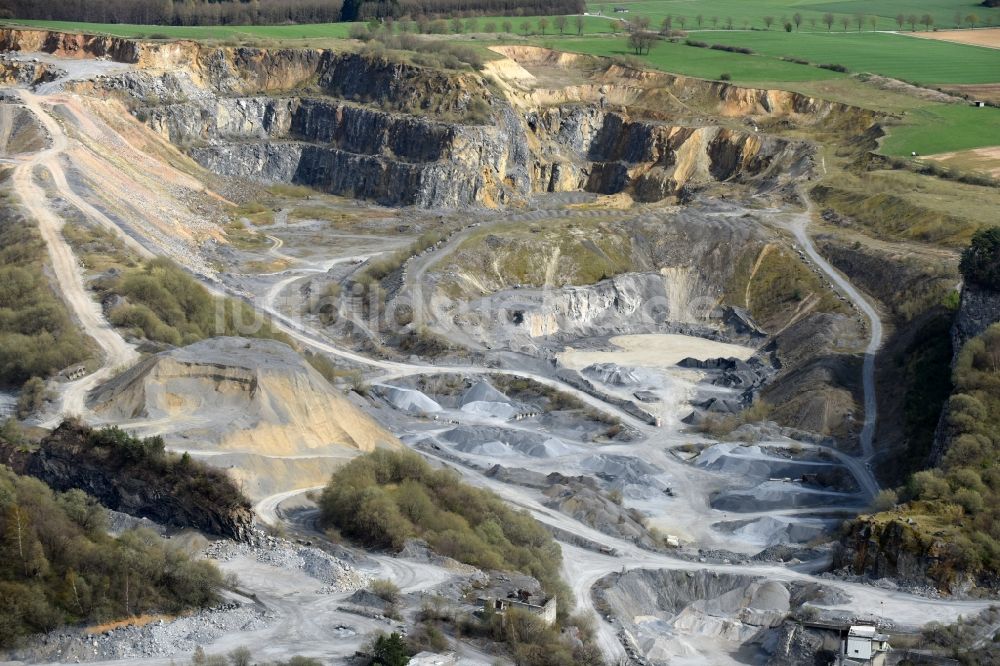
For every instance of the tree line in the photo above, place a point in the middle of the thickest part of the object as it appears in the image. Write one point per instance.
(363, 10)
(271, 12)
(169, 12)
(795, 22)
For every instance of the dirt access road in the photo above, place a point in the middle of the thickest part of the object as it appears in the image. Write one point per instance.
(799, 226)
(117, 353)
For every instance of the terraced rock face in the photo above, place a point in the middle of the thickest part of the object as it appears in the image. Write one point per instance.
(400, 134)
(357, 126)
(654, 160)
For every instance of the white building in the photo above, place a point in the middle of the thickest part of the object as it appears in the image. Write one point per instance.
(863, 645)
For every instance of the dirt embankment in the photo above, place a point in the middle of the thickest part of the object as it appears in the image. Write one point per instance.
(614, 83)
(70, 45)
(240, 394)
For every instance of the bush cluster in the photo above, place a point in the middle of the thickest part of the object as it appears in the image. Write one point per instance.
(165, 304)
(37, 335)
(964, 490)
(385, 498)
(732, 49)
(980, 264)
(718, 47)
(58, 565)
(533, 643)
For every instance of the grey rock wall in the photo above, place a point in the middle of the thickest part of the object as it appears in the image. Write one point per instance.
(979, 309)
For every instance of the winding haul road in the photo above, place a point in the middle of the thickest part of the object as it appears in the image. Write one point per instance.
(117, 353)
(304, 618)
(799, 228)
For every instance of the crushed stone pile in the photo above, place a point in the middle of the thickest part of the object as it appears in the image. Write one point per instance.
(484, 400)
(407, 400)
(337, 575)
(494, 441)
(161, 638)
(615, 375)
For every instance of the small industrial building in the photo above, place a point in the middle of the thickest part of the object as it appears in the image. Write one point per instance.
(543, 608)
(864, 646)
(853, 644)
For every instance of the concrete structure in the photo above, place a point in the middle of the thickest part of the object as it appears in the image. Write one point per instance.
(863, 645)
(546, 609)
(433, 659)
(74, 372)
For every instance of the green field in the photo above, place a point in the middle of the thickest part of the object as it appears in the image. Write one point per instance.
(901, 57)
(941, 128)
(238, 32)
(701, 63)
(927, 128)
(752, 12)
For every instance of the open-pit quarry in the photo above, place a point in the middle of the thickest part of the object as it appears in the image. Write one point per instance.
(575, 283)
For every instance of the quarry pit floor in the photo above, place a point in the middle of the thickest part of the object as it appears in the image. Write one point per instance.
(705, 478)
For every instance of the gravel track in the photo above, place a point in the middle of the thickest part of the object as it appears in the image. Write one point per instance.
(87, 312)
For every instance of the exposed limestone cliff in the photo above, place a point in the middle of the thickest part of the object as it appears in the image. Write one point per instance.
(911, 555)
(978, 310)
(239, 394)
(372, 127)
(618, 85)
(22, 72)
